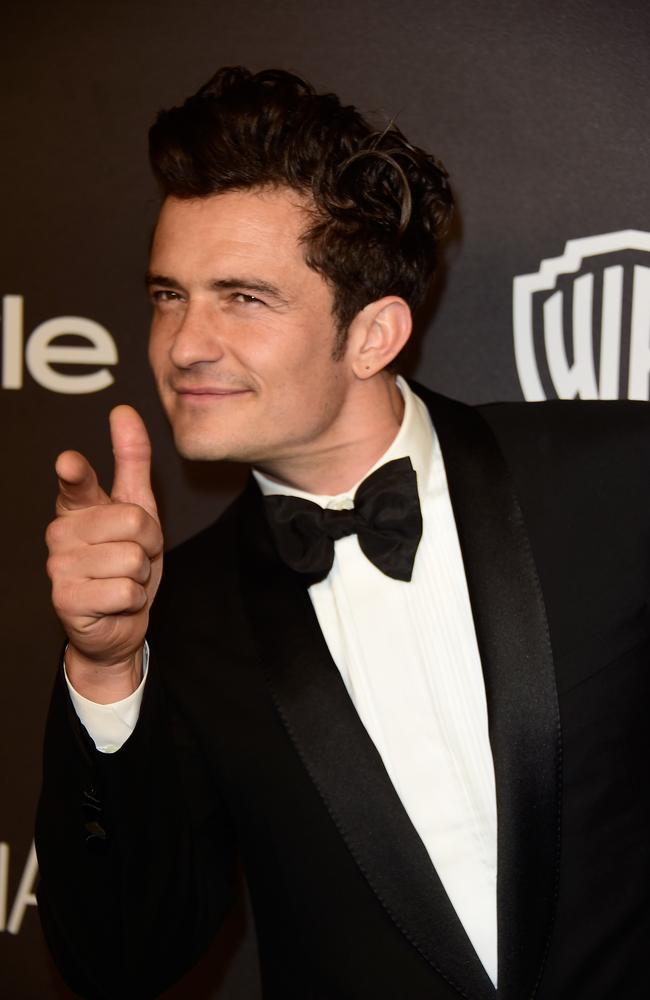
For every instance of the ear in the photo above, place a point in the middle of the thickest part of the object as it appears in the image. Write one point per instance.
(377, 334)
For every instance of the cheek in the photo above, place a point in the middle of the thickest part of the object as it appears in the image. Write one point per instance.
(281, 361)
(309, 356)
(303, 380)
(313, 390)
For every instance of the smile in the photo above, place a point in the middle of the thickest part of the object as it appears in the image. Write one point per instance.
(209, 393)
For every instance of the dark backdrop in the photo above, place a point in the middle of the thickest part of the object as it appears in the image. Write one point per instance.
(540, 110)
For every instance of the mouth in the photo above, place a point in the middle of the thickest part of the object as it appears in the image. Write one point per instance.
(190, 393)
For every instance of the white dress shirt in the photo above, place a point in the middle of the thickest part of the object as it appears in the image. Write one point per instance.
(408, 655)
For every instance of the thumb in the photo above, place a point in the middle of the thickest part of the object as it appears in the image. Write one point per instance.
(132, 451)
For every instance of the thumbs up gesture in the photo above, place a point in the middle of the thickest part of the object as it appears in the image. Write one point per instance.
(105, 562)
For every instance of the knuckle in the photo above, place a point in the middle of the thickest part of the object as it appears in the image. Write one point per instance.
(137, 561)
(130, 593)
(135, 519)
(52, 567)
(159, 540)
(64, 565)
(60, 599)
(55, 533)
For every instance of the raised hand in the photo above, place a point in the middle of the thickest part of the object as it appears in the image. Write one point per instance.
(105, 561)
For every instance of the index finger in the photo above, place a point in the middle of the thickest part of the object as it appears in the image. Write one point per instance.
(78, 486)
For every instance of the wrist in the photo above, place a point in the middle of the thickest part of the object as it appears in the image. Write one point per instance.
(101, 682)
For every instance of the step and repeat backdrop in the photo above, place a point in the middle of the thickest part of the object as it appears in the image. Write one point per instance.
(540, 112)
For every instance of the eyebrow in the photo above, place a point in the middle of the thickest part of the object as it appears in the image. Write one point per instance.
(243, 283)
(161, 279)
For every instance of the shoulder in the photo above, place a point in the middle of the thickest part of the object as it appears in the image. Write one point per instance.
(565, 423)
(575, 444)
(547, 438)
(579, 469)
(581, 473)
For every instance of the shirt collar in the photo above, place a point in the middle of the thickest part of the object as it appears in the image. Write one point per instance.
(414, 440)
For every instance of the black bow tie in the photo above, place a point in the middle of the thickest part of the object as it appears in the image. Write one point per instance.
(386, 518)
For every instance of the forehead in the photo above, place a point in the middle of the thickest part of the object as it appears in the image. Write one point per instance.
(260, 227)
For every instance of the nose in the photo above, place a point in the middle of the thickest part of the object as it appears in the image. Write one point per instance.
(197, 340)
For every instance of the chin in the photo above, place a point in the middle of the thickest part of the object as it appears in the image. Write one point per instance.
(198, 449)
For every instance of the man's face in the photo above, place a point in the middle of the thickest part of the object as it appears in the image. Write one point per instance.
(242, 333)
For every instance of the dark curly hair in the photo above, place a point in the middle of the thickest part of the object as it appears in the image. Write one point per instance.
(379, 204)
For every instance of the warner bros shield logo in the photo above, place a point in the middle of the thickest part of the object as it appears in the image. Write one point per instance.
(582, 322)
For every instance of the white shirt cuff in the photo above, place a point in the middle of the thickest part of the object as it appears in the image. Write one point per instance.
(109, 726)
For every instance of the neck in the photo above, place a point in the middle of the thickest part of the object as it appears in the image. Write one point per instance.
(364, 430)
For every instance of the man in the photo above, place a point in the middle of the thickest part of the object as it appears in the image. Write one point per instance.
(405, 676)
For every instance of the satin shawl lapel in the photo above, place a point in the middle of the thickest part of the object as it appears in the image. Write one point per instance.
(515, 650)
(343, 763)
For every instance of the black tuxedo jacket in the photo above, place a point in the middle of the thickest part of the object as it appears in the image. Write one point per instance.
(248, 744)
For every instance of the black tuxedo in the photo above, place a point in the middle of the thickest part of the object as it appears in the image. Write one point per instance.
(248, 742)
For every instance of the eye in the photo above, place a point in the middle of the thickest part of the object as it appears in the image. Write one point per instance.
(164, 295)
(247, 299)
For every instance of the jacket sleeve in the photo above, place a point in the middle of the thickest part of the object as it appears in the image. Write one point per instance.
(135, 851)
